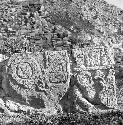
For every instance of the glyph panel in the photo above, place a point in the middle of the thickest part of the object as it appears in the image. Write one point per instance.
(26, 76)
(96, 73)
(93, 57)
(44, 76)
(58, 70)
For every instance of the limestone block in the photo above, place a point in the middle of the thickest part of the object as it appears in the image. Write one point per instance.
(96, 74)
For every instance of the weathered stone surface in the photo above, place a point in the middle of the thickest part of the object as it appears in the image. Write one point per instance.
(58, 72)
(32, 80)
(97, 75)
(94, 57)
(24, 72)
(45, 78)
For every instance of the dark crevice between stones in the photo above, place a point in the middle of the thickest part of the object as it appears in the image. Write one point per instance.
(36, 102)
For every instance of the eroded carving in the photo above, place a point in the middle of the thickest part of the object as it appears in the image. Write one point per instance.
(58, 72)
(95, 66)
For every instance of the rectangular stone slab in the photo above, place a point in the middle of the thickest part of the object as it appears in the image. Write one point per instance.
(97, 62)
(97, 57)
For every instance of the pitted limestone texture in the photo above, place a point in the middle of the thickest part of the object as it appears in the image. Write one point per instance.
(34, 81)
(96, 73)
(94, 57)
(25, 69)
(58, 71)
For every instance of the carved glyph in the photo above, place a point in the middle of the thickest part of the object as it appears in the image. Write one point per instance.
(97, 62)
(58, 72)
(51, 76)
(27, 69)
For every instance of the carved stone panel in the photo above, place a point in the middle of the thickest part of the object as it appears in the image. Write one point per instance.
(93, 57)
(42, 78)
(26, 74)
(95, 67)
(58, 72)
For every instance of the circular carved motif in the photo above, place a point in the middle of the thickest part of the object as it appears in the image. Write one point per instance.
(24, 70)
(40, 78)
(31, 79)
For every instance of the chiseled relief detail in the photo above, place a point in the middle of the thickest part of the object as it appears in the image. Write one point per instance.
(112, 99)
(95, 57)
(24, 92)
(85, 80)
(103, 93)
(108, 94)
(98, 59)
(79, 95)
(58, 72)
(120, 96)
(27, 69)
(79, 54)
